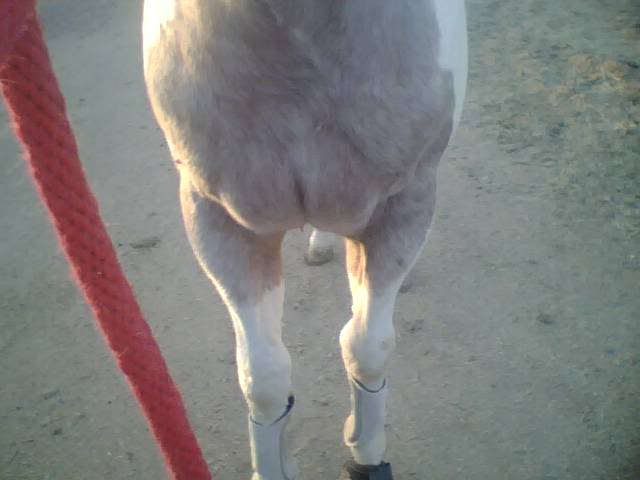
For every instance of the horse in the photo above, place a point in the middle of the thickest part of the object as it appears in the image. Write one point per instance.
(329, 113)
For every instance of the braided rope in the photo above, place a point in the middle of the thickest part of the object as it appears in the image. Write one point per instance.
(38, 114)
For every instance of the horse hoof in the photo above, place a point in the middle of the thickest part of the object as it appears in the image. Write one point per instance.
(354, 471)
(319, 256)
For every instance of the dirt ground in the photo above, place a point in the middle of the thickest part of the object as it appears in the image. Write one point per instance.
(518, 331)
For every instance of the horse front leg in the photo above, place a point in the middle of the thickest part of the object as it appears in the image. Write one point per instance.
(378, 260)
(246, 269)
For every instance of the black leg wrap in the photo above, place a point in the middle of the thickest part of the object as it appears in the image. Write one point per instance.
(354, 471)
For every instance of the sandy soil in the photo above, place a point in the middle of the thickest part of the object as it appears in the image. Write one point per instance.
(518, 331)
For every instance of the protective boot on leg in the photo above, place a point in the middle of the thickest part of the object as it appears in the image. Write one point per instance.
(364, 434)
(270, 455)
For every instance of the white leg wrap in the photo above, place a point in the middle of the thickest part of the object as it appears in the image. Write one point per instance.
(364, 428)
(270, 455)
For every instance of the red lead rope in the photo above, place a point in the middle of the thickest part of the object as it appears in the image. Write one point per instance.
(39, 118)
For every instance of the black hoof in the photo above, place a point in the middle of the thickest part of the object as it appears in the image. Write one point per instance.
(354, 471)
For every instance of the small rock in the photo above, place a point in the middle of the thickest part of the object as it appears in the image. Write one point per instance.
(545, 319)
(146, 243)
(548, 162)
(50, 394)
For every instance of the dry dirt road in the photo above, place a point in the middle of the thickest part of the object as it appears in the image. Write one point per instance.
(518, 331)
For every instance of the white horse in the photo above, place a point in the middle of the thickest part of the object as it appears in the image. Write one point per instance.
(333, 113)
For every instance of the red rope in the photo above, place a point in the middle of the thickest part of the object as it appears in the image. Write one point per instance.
(38, 114)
